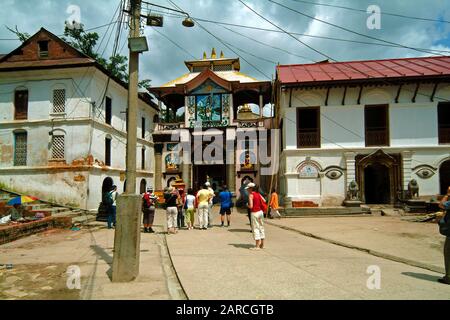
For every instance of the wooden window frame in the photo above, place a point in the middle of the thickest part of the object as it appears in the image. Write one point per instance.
(15, 161)
(108, 144)
(108, 110)
(143, 159)
(22, 115)
(367, 133)
(43, 54)
(443, 129)
(318, 128)
(143, 129)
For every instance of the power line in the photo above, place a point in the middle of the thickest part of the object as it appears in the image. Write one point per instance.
(348, 30)
(222, 23)
(221, 41)
(365, 11)
(289, 34)
(174, 43)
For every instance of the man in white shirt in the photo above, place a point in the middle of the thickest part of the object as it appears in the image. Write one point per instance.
(210, 204)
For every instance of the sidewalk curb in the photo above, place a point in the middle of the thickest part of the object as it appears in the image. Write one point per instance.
(183, 292)
(369, 251)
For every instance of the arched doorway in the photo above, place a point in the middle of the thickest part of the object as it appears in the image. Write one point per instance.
(143, 186)
(444, 176)
(377, 189)
(107, 184)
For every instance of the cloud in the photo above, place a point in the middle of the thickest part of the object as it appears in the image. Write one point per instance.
(164, 61)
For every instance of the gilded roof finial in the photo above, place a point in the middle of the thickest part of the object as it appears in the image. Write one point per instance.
(221, 55)
(213, 53)
(204, 55)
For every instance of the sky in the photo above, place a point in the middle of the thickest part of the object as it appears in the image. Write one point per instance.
(164, 61)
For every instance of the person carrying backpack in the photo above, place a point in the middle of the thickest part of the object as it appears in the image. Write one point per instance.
(148, 209)
(444, 229)
(257, 206)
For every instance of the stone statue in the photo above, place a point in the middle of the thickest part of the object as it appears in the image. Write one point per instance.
(353, 191)
(413, 188)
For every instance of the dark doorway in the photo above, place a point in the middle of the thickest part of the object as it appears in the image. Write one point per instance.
(444, 176)
(377, 188)
(143, 186)
(107, 184)
(216, 173)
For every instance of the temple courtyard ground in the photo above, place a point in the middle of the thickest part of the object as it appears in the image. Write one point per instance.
(364, 257)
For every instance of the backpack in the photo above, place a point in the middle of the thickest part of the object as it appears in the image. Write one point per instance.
(107, 199)
(444, 225)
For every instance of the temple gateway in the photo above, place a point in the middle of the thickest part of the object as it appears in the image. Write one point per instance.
(214, 96)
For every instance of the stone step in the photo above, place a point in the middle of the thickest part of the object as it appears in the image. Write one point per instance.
(329, 211)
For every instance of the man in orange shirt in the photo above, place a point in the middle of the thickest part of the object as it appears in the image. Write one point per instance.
(273, 204)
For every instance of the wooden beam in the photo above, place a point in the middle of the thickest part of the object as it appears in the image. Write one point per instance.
(328, 94)
(359, 95)
(434, 91)
(290, 98)
(398, 93)
(415, 92)
(345, 94)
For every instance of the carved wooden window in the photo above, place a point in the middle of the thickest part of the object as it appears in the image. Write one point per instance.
(308, 127)
(376, 125)
(108, 151)
(58, 148)
(21, 105)
(20, 149)
(224, 67)
(59, 101)
(108, 110)
(444, 122)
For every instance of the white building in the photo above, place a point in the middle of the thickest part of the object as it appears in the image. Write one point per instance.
(61, 136)
(381, 123)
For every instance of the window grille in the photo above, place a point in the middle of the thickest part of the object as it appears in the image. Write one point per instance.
(224, 67)
(20, 149)
(59, 101)
(198, 69)
(58, 147)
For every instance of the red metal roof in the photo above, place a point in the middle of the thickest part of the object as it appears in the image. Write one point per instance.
(362, 70)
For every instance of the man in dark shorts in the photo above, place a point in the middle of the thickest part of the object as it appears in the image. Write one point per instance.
(225, 205)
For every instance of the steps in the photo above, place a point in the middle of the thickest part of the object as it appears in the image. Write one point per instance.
(324, 211)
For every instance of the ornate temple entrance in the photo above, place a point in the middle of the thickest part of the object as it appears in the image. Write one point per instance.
(216, 174)
(378, 176)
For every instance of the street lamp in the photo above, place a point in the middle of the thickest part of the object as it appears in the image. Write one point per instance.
(156, 20)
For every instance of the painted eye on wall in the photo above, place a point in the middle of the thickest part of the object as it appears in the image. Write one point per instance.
(334, 174)
(425, 173)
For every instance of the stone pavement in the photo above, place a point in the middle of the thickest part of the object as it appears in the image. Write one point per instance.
(217, 264)
(415, 243)
(40, 263)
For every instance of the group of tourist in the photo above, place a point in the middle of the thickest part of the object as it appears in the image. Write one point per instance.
(181, 208)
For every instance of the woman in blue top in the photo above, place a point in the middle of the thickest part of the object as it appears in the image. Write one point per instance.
(225, 205)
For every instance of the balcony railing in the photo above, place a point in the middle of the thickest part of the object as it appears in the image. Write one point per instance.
(169, 126)
(444, 134)
(377, 137)
(309, 139)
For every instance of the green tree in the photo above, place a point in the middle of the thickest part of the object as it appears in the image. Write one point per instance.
(23, 36)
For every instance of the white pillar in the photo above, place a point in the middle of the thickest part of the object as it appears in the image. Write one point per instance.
(407, 168)
(350, 164)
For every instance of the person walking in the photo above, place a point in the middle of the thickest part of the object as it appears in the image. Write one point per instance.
(148, 209)
(189, 209)
(257, 205)
(108, 202)
(225, 206)
(180, 208)
(445, 230)
(170, 197)
(210, 203)
(273, 205)
(203, 198)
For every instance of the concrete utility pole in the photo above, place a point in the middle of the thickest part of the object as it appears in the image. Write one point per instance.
(127, 234)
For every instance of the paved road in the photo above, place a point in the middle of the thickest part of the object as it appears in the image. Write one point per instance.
(217, 264)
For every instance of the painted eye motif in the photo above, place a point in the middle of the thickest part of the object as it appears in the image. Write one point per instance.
(425, 173)
(334, 174)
